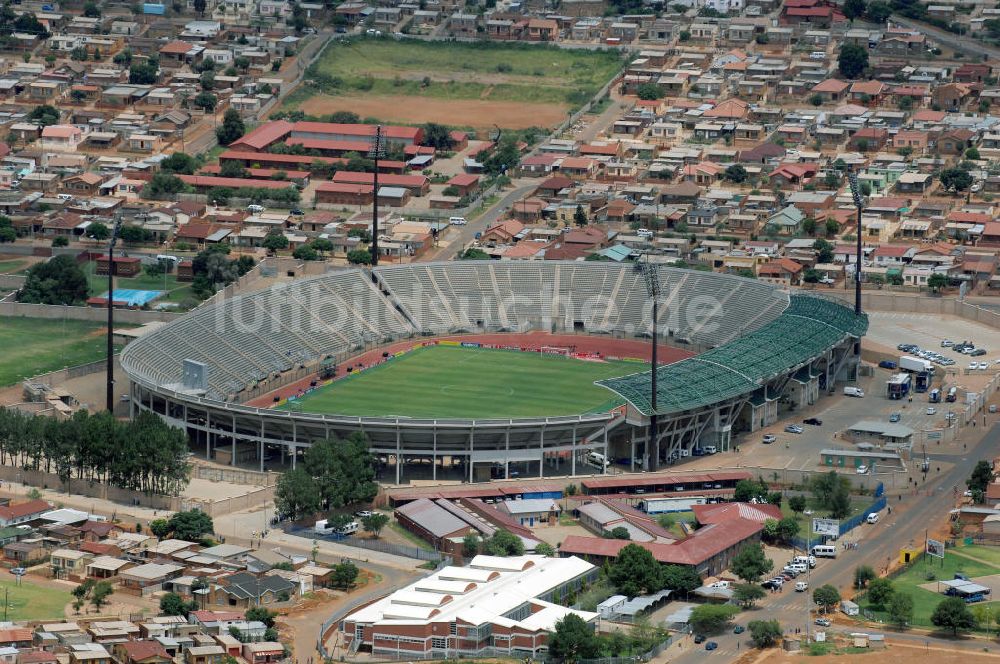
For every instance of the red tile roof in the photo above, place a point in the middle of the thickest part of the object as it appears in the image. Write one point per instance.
(388, 131)
(234, 183)
(138, 651)
(22, 510)
(324, 144)
(264, 135)
(666, 478)
(830, 85)
(463, 180)
(725, 512)
(384, 180)
(346, 188)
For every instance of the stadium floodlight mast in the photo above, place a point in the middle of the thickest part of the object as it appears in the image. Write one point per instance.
(651, 280)
(376, 152)
(859, 203)
(110, 384)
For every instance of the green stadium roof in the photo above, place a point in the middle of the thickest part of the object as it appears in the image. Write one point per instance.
(806, 329)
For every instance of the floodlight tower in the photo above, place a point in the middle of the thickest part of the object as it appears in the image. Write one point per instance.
(651, 280)
(376, 152)
(859, 203)
(110, 379)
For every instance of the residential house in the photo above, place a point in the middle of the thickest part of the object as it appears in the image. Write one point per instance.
(69, 563)
(18, 513)
(782, 271)
(830, 90)
(952, 96)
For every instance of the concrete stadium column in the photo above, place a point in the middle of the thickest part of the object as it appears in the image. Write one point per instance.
(572, 455)
(506, 458)
(541, 454)
(260, 447)
(434, 459)
(232, 461)
(295, 453)
(606, 457)
(472, 446)
(399, 456)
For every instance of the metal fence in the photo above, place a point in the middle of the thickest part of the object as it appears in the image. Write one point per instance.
(388, 547)
(849, 524)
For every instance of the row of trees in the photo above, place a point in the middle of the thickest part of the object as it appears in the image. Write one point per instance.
(333, 474)
(144, 454)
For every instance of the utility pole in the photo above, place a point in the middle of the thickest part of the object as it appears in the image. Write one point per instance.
(859, 203)
(110, 385)
(376, 152)
(651, 280)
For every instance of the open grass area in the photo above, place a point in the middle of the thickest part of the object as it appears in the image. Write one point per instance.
(176, 291)
(858, 505)
(484, 73)
(37, 345)
(13, 266)
(451, 381)
(928, 569)
(28, 601)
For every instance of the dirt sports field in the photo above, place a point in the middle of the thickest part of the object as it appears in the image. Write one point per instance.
(478, 114)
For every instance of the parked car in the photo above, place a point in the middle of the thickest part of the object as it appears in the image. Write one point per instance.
(768, 438)
(801, 586)
(979, 352)
(862, 470)
(895, 417)
(815, 421)
(363, 514)
(738, 629)
(711, 645)
(947, 343)
(931, 410)
(983, 366)
(823, 622)
(793, 428)
(699, 638)
(18, 571)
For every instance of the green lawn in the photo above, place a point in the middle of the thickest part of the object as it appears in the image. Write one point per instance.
(449, 381)
(38, 345)
(858, 505)
(12, 266)
(924, 601)
(176, 291)
(502, 72)
(676, 519)
(32, 602)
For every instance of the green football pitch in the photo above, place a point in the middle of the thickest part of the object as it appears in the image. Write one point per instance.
(456, 382)
(39, 345)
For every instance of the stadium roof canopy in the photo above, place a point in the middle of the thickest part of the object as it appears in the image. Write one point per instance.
(806, 329)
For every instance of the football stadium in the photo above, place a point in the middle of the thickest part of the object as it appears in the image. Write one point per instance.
(472, 370)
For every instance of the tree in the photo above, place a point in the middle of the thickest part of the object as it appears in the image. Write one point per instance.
(344, 471)
(735, 173)
(179, 162)
(816, 99)
(827, 597)
(99, 595)
(852, 61)
(205, 101)
(955, 179)
(635, 571)
(937, 281)
(98, 231)
(232, 127)
(900, 609)
(191, 525)
(91, 10)
(359, 257)
(134, 234)
(953, 613)
(649, 92)
(710, 618)
(545, 549)
(44, 115)
(981, 477)
(305, 252)
(680, 578)
(437, 136)
(143, 73)
(862, 575)
(747, 594)
(81, 592)
(972, 153)
(809, 226)
(833, 491)
(474, 254)
(764, 633)
(747, 490)
(296, 495)
(788, 528)
(797, 504)
(504, 543)
(470, 545)
(58, 241)
(232, 169)
(573, 640)
(260, 614)
(879, 11)
(344, 574)
(200, 6)
(374, 523)
(173, 604)
(160, 528)
(322, 245)
(750, 563)
(832, 227)
(618, 532)
(880, 591)
(684, 35)
(854, 9)
(164, 183)
(274, 241)
(579, 216)
(56, 281)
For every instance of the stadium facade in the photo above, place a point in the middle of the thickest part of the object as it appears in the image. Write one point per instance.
(757, 346)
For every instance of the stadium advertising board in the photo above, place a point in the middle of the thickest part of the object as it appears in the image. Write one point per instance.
(826, 527)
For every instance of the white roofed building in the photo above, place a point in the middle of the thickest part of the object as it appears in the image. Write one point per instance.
(493, 604)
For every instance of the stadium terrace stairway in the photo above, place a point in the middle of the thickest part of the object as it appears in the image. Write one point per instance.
(804, 331)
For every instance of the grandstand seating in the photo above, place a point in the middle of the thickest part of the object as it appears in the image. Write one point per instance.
(248, 338)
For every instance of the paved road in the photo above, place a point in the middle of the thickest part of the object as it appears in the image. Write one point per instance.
(878, 545)
(456, 241)
(966, 45)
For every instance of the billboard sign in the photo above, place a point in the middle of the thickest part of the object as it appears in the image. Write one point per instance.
(826, 527)
(935, 548)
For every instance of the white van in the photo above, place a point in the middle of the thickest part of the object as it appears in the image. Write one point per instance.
(801, 586)
(805, 560)
(255, 209)
(457, 221)
(799, 567)
(872, 518)
(850, 391)
(709, 449)
(824, 551)
(644, 232)
(598, 459)
(323, 527)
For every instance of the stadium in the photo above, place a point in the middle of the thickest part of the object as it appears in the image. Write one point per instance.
(475, 370)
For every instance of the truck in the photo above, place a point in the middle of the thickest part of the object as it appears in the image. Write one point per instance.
(851, 391)
(324, 527)
(915, 364)
(898, 386)
(922, 382)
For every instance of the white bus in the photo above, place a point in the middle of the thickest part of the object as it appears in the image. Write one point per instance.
(824, 551)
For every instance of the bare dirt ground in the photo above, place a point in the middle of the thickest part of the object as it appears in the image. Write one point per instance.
(896, 653)
(478, 114)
